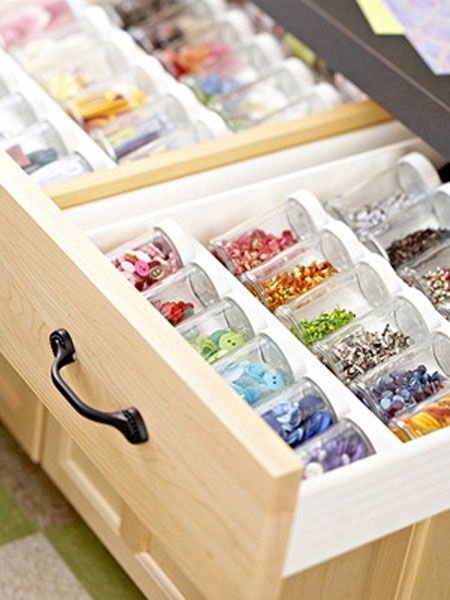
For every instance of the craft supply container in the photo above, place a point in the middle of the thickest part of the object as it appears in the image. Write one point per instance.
(338, 301)
(16, 114)
(376, 337)
(260, 100)
(257, 370)
(218, 330)
(132, 12)
(303, 266)
(370, 203)
(259, 239)
(148, 259)
(299, 413)
(101, 103)
(182, 22)
(424, 418)
(407, 379)
(183, 294)
(28, 20)
(322, 96)
(36, 147)
(407, 235)
(162, 124)
(62, 169)
(431, 274)
(236, 68)
(189, 55)
(342, 444)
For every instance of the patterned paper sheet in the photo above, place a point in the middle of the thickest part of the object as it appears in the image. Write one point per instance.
(427, 27)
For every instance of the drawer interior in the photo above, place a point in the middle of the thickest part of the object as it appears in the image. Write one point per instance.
(316, 534)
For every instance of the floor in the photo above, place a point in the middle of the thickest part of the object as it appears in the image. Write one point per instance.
(46, 551)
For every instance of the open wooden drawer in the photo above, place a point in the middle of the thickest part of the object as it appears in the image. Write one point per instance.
(213, 482)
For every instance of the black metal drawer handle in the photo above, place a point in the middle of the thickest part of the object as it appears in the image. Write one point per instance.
(129, 421)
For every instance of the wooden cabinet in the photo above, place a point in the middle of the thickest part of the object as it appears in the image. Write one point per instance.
(211, 505)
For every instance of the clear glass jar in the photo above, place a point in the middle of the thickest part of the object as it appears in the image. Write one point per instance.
(218, 330)
(101, 103)
(407, 379)
(373, 339)
(236, 68)
(342, 444)
(27, 20)
(259, 239)
(318, 98)
(16, 114)
(4, 90)
(162, 124)
(132, 12)
(181, 22)
(371, 202)
(62, 169)
(424, 418)
(183, 294)
(405, 237)
(297, 414)
(303, 266)
(148, 259)
(258, 101)
(431, 274)
(338, 301)
(36, 148)
(256, 370)
(210, 44)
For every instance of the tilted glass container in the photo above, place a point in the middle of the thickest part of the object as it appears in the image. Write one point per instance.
(16, 114)
(132, 12)
(36, 148)
(407, 379)
(338, 301)
(297, 414)
(303, 266)
(373, 339)
(217, 330)
(236, 68)
(258, 101)
(183, 294)
(342, 444)
(256, 370)
(374, 200)
(322, 96)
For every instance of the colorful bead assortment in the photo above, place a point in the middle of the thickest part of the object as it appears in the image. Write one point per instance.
(254, 380)
(210, 86)
(437, 283)
(32, 161)
(403, 388)
(175, 312)
(252, 249)
(313, 330)
(188, 59)
(337, 447)
(146, 265)
(359, 352)
(300, 420)
(218, 344)
(414, 244)
(290, 284)
(431, 417)
(368, 217)
(96, 108)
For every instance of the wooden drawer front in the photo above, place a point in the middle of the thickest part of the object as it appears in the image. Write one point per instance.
(20, 410)
(211, 471)
(102, 508)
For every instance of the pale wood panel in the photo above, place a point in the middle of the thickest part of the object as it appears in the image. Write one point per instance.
(217, 153)
(213, 483)
(431, 577)
(21, 411)
(371, 572)
(133, 531)
(91, 506)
